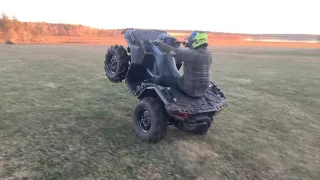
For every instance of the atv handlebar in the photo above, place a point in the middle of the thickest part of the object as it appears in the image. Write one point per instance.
(177, 43)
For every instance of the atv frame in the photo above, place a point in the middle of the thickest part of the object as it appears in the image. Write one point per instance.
(142, 65)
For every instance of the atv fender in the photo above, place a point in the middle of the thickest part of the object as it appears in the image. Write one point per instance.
(213, 100)
(152, 91)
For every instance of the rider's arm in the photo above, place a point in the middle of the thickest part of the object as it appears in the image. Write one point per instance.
(185, 55)
(180, 54)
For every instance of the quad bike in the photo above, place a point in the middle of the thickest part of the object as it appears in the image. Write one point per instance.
(142, 65)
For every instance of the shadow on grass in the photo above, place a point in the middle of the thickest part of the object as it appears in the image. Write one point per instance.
(125, 133)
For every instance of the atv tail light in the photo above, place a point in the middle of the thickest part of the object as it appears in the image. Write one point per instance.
(178, 115)
(181, 116)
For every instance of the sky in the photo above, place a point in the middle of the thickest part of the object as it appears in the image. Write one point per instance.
(237, 16)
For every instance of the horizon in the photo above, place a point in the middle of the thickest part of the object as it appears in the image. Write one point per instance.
(245, 17)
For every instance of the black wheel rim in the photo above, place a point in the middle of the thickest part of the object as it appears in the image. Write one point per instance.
(145, 121)
(112, 64)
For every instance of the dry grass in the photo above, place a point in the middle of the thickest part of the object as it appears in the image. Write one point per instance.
(62, 119)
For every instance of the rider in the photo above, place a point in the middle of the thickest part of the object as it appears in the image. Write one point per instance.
(197, 61)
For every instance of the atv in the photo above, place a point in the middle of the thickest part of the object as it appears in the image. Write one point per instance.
(142, 65)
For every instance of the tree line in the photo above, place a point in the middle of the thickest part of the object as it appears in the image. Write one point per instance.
(12, 29)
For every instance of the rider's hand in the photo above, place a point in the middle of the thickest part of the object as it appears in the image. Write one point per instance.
(157, 42)
(184, 43)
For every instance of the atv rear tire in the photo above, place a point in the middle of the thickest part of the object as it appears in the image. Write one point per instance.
(116, 63)
(150, 120)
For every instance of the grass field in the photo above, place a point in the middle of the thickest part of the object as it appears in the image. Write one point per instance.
(60, 118)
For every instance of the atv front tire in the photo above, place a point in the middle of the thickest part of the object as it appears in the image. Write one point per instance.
(116, 63)
(150, 120)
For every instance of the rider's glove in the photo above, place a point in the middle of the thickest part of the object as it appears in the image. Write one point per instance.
(157, 42)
